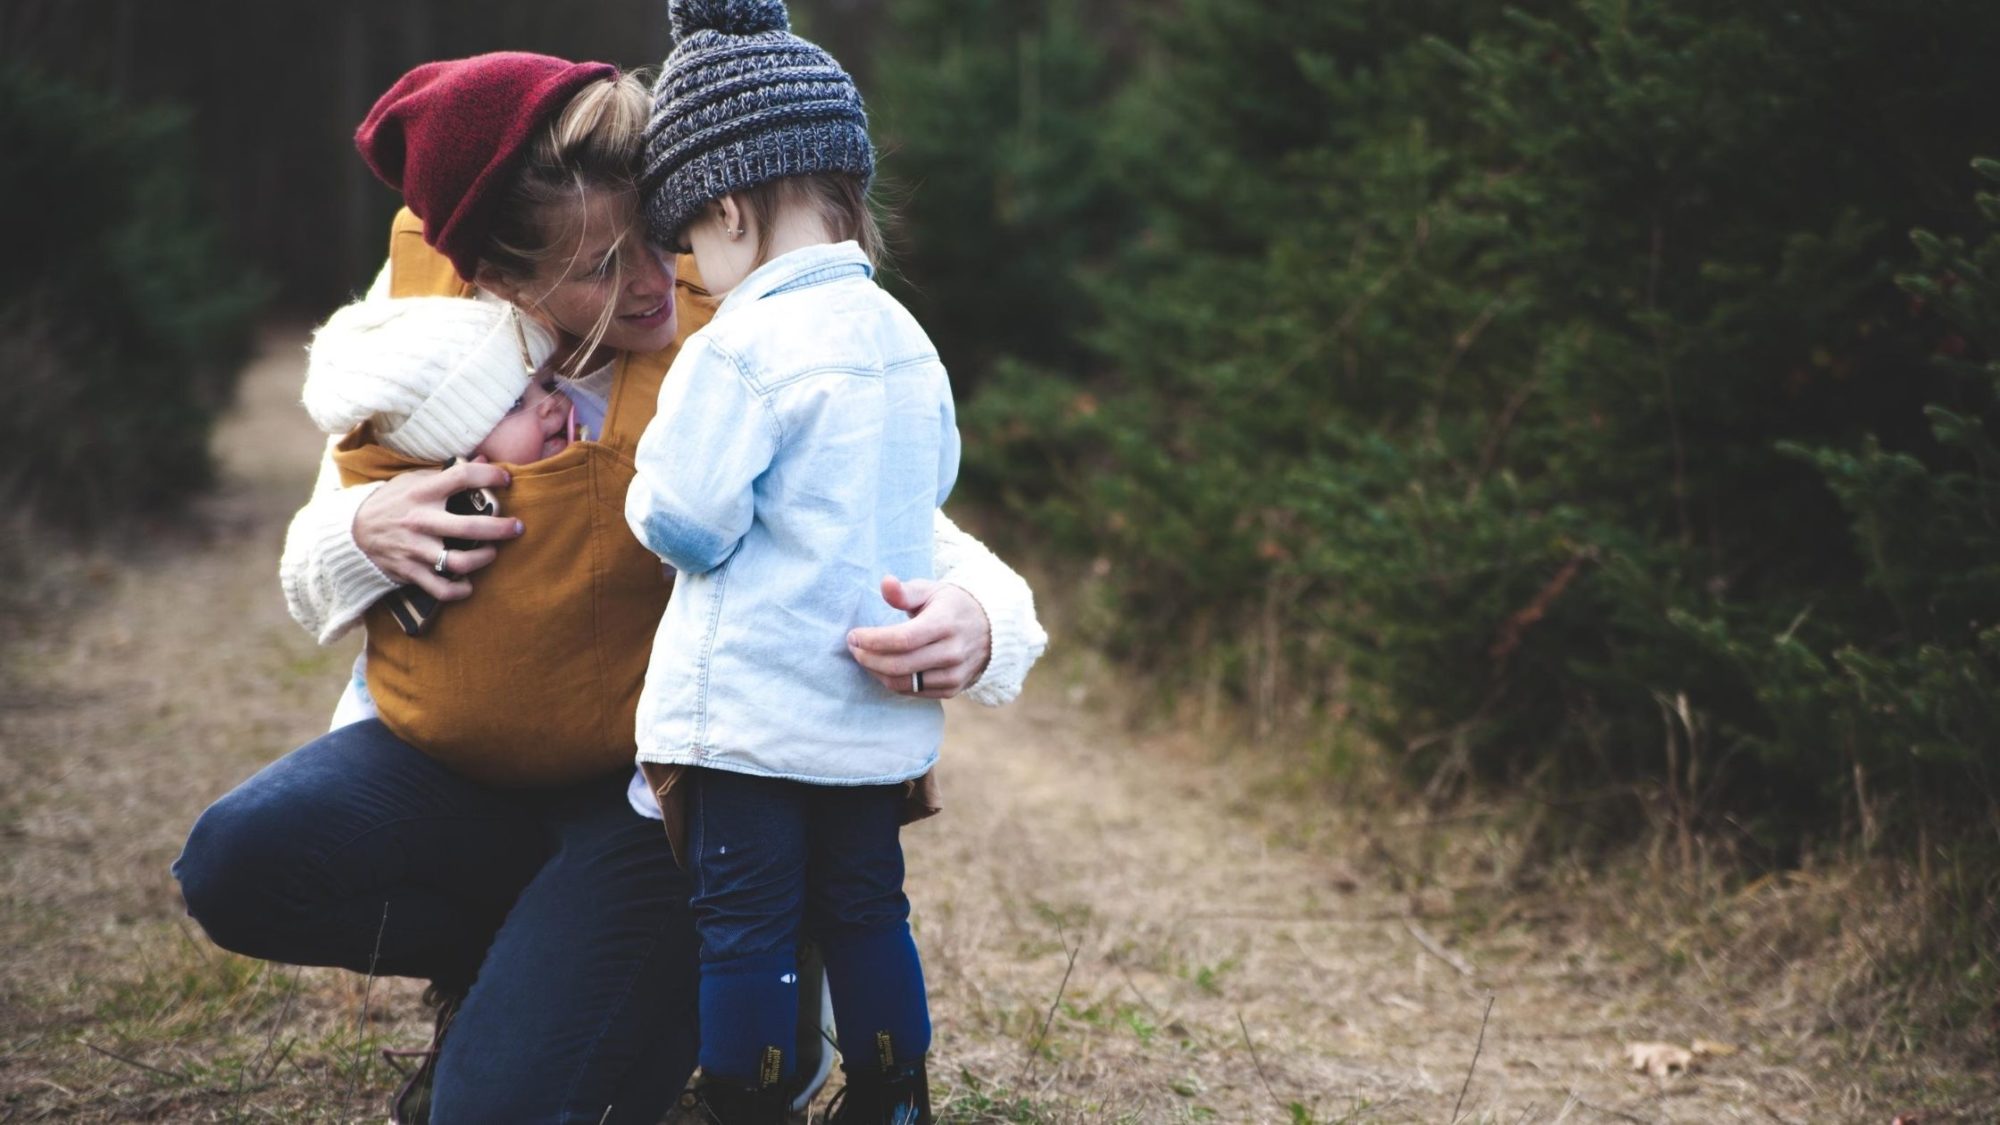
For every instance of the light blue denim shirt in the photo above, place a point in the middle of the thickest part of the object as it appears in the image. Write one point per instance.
(804, 440)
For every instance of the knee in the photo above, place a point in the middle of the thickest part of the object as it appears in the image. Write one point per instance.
(226, 873)
(835, 916)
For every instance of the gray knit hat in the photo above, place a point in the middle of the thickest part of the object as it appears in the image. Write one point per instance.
(742, 101)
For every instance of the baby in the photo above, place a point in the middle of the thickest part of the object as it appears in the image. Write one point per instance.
(438, 378)
(434, 379)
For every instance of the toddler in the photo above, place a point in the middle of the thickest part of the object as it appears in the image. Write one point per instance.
(803, 440)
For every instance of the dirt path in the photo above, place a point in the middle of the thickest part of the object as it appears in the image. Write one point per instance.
(1114, 930)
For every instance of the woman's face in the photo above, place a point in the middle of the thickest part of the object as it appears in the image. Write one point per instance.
(604, 259)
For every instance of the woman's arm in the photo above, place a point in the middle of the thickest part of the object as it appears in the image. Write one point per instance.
(328, 582)
(973, 630)
(349, 546)
(1016, 637)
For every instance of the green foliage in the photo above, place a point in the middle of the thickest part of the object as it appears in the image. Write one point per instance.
(123, 326)
(1002, 209)
(1534, 384)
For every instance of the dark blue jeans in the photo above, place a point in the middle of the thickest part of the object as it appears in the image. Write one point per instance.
(562, 909)
(773, 859)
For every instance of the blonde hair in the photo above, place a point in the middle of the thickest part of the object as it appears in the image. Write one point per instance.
(592, 145)
(839, 200)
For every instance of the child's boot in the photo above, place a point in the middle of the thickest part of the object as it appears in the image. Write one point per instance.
(891, 1095)
(720, 1102)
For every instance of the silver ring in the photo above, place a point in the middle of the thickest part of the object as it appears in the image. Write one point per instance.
(439, 568)
(916, 683)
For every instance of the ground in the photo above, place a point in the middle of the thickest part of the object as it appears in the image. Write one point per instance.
(1116, 926)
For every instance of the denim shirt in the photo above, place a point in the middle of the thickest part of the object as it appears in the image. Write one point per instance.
(804, 439)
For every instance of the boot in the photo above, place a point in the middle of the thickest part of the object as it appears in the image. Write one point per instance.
(891, 1095)
(717, 1102)
(412, 1103)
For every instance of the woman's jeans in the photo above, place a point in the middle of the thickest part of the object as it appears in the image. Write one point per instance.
(561, 909)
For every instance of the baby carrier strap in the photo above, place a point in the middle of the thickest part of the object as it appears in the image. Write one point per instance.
(416, 270)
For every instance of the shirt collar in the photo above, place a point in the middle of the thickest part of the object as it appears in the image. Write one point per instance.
(807, 266)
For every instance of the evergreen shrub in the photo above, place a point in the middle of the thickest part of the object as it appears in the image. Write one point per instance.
(1534, 386)
(122, 323)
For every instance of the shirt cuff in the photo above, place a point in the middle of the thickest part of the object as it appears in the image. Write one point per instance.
(348, 581)
(1017, 637)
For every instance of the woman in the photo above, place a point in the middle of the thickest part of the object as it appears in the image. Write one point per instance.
(557, 913)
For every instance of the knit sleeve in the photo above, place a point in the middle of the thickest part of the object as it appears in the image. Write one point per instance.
(1018, 637)
(378, 290)
(328, 582)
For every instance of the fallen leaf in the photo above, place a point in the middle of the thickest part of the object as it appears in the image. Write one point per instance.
(1661, 1060)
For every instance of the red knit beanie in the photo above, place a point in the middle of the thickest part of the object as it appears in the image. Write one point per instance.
(449, 134)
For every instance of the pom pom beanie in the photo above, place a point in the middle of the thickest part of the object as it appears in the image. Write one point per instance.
(741, 101)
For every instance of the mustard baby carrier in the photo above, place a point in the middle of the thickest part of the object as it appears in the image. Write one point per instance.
(534, 680)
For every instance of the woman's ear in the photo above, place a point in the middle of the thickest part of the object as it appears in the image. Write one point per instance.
(501, 285)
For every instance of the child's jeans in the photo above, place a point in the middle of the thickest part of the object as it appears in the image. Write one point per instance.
(770, 857)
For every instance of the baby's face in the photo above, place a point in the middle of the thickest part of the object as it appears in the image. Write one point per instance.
(536, 427)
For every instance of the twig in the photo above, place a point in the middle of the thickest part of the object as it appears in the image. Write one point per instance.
(200, 947)
(109, 1054)
(1028, 1064)
(277, 1025)
(1774, 1114)
(1432, 947)
(1609, 1112)
(1476, 1048)
(1259, 1064)
(1517, 624)
(1150, 1006)
(367, 991)
(1460, 345)
(284, 1054)
(1503, 424)
(22, 1047)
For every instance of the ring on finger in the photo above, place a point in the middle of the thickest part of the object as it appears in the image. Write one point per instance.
(916, 683)
(442, 567)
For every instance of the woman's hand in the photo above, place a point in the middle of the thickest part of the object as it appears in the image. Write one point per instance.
(947, 638)
(403, 526)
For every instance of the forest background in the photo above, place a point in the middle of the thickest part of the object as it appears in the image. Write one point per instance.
(1582, 405)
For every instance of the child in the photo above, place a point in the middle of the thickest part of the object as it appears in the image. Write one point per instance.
(803, 440)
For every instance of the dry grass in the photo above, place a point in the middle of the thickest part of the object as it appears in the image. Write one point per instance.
(1357, 947)
(1175, 925)
(148, 676)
